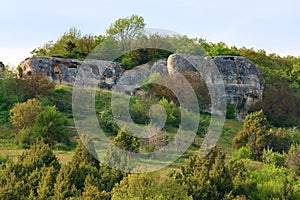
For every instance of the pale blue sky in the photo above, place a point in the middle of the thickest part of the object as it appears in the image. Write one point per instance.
(261, 24)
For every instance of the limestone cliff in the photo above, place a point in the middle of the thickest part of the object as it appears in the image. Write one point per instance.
(243, 80)
(64, 70)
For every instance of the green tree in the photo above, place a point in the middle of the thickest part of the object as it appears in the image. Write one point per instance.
(206, 178)
(64, 186)
(46, 184)
(85, 154)
(22, 115)
(49, 125)
(293, 159)
(126, 30)
(71, 45)
(127, 142)
(255, 133)
(258, 135)
(21, 178)
(9, 91)
(242, 185)
(91, 190)
(147, 186)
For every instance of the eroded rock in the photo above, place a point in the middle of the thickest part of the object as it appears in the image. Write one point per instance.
(243, 81)
(64, 70)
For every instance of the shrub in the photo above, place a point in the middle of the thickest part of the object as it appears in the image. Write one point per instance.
(242, 153)
(50, 125)
(274, 158)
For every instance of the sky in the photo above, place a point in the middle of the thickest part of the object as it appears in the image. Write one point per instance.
(272, 25)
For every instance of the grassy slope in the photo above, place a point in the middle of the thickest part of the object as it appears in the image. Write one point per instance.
(62, 97)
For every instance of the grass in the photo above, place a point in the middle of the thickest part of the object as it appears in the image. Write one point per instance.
(64, 156)
(62, 97)
(230, 130)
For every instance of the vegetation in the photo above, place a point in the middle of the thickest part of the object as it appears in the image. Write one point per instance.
(255, 159)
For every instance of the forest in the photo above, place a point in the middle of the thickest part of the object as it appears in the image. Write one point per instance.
(42, 157)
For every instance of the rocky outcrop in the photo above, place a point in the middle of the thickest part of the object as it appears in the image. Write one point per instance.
(64, 71)
(243, 80)
(2, 66)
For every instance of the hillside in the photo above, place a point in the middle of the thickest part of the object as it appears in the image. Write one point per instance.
(42, 156)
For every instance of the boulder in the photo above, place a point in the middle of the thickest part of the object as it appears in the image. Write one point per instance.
(2, 66)
(64, 70)
(242, 79)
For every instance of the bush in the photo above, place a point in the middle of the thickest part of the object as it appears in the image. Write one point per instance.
(242, 153)
(274, 158)
(230, 111)
(22, 115)
(50, 125)
(107, 122)
(61, 147)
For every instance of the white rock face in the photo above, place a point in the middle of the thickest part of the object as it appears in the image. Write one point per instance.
(243, 80)
(64, 70)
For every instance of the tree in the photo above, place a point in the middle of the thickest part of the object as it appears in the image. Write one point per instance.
(293, 159)
(71, 45)
(258, 135)
(206, 178)
(127, 142)
(49, 125)
(34, 86)
(147, 186)
(9, 91)
(22, 115)
(91, 190)
(126, 29)
(21, 178)
(255, 133)
(46, 185)
(85, 155)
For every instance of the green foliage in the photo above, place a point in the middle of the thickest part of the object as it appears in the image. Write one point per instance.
(50, 125)
(107, 122)
(258, 136)
(172, 112)
(22, 178)
(22, 115)
(34, 86)
(31, 122)
(273, 183)
(242, 185)
(147, 186)
(230, 112)
(61, 97)
(91, 191)
(242, 153)
(218, 49)
(139, 109)
(293, 159)
(71, 45)
(8, 96)
(273, 158)
(255, 133)
(46, 184)
(127, 142)
(85, 154)
(126, 29)
(206, 178)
